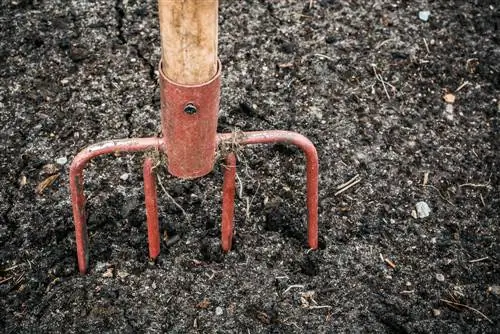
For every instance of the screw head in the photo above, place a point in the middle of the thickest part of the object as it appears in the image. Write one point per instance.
(190, 109)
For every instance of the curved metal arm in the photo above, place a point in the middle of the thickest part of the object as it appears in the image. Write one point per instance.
(76, 184)
(312, 166)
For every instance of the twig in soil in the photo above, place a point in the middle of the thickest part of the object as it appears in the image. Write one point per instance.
(378, 46)
(311, 4)
(387, 261)
(461, 86)
(407, 292)
(170, 197)
(482, 199)
(324, 56)
(390, 263)
(13, 267)
(295, 286)
(467, 307)
(348, 182)
(479, 260)
(318, 306)
(441, 195)
(352, 182)
(240, 190)
(384, 83)
(476, 185)
(426, 46)
(6, 279)
(426, 179)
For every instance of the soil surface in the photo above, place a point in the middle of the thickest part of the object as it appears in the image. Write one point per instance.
(367, 84)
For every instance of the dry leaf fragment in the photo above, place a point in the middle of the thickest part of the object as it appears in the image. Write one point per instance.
(449, 98)
(22, 181)
(108, 273)
(50, 169)
(46, 183)
(205, 303)
(263, 317)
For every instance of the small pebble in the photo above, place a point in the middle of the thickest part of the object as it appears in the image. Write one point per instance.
(422, 210)
(108, 273)
(436, 312)
(62, 161)
(219, 310)
(440, 277)
(449, 98)
(424, 15)
(494, 289)
(124, 177)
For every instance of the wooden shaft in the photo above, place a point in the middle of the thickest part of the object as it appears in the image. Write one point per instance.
(188, 31)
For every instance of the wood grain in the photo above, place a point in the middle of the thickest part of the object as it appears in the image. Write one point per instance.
(188, 30)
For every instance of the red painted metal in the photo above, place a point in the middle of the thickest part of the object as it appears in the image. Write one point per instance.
(77, 184)
(312, 166)
(151, 209)
(189, 124)
(228, 192)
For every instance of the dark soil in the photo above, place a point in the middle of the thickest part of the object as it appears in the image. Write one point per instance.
(364, 83)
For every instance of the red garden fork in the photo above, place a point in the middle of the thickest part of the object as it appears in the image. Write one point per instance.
(190, 92)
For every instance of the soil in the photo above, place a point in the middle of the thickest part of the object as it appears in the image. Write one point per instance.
(364, 82)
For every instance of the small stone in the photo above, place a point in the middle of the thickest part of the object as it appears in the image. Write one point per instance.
(124, 177)
(422, 210)
(219, 310)
(440, 277)
(414, 214)
(494, 289)
(424, 15)
(449, 98)
(153, 286)
(436, 312)
(62, 161)
(108, 273)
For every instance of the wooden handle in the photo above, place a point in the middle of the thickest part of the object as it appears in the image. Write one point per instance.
(188, 30)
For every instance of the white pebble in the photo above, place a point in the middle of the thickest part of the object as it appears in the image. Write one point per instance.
(440, 277)
(422, 209)
(62, 161)
(219, 310)
(124, 177)
(424, 15)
